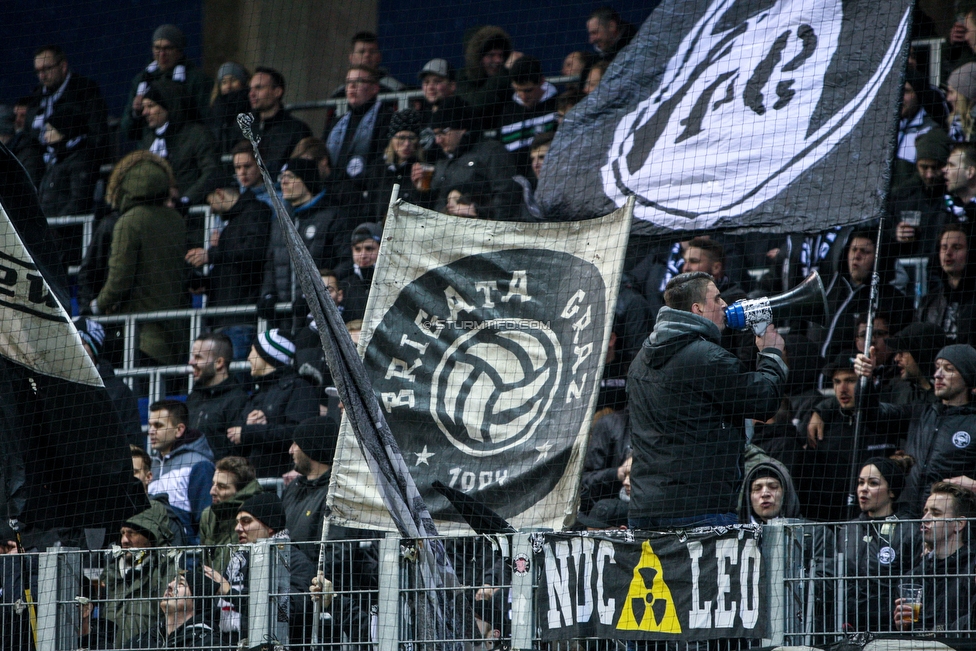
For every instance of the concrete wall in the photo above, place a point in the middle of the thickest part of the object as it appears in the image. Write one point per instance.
(307, 41)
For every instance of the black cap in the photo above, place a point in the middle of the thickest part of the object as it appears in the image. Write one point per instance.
(454, 113)
(922, 340)
(267, 508)
(367, 231)
(843, 362)
(317, 437)
(307, 170)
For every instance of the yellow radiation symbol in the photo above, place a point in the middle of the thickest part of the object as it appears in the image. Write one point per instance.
(649, 606)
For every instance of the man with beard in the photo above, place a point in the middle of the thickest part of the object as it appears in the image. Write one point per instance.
(915, 348)
(923, 193)
(940, 435)
(312, 449)
(278, 129)
(951, 300)
(217, 398)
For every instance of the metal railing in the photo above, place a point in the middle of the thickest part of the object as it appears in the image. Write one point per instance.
(822, 588)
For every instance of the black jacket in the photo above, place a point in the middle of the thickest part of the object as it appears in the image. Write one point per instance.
(94, 266)
(213, 410)
(940, 439)
(377, 142)
(279, 135)
(487, 166)
(935, 307)
(238, 259)
(191, 152)
(286, 400)
(223, 119)
(875, 552)
(382, 177)
(194, 635)
(305, 510)
(948, 591)
(85, 95)
(688, 397)
(68, 185)
(606, 452)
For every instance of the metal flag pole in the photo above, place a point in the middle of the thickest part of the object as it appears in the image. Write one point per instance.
(863, 381)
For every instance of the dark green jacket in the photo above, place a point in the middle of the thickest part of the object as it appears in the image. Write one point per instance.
(217, 526)
(146, 264)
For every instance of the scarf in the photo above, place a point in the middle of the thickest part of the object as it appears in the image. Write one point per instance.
(47, 106)
(179, 74)
(51, 155)
(355, 162)
(158, 145)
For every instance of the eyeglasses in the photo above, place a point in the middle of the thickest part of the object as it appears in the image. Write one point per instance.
(43, 69)
(406, 138)
(442, 132)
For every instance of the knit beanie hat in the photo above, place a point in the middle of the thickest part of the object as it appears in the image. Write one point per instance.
(963, 357)
(275, 348)
(170, 33)
(404, 120)
(167, 94)
(267, 508)
(367, 231)
(317, 437)
(92, 333)
(922, 340)
(933, 145)
(454, 113)
(963, 80)
(891, 471)
(69, 120)
(233, 69)
(307, 171)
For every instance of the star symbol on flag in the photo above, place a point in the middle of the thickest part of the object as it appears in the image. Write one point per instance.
(544, 450)
(422, 457)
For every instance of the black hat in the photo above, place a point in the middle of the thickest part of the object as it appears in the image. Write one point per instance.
(220, 181)
(167, 94)
(527, 70)
(404, 120)
(317, 437)
(963, 357)
(922, 340)
(893, 473)
(267, 508)
(307, 170)
(605, 514)
(933, 145)
(453, 113)
(275, 347)
(69, 120)
(367, 231)
(843, 362)
(170, 33)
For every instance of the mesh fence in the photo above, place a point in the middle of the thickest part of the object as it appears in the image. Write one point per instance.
(673, 266)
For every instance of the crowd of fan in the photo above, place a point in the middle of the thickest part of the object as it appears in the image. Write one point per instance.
(475, 146)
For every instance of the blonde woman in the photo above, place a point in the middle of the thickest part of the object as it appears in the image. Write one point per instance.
(961, 97)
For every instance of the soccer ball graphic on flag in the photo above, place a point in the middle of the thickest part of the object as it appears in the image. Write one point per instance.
(495, 384)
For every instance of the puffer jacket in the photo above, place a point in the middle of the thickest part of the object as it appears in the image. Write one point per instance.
(185, 474)
(688, 398)
(486, 95)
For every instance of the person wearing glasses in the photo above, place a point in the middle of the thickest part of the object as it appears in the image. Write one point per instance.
(402, 154)
(169, 62)
(356, 139)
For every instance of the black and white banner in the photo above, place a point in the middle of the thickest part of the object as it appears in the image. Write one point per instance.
(778, 115)
(484, 343)
(37, 332)
(693, 585)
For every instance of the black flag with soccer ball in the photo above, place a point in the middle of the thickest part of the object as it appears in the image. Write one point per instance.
(778, 115)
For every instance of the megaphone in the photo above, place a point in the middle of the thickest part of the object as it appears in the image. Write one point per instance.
(808, 300)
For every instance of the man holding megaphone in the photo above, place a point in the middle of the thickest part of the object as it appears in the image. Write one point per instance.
(689, 398)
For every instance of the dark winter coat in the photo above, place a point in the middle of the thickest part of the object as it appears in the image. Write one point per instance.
(875, 550)
(195, 91)
(305, 509)
(518, 125)
(217, 526)
(382, 177)
(68, 185)
(212, 411)
(85, 95)
(238, 259)
(279, 135)
(688, 398)
(936, 303)
(939, 438)
(286, 400)
(223, 119)
(486, 95)
(193, 635)
(485, 165)
(606, 452)
(94, 265)
(377, 142)
(191, 152)
(948, 591)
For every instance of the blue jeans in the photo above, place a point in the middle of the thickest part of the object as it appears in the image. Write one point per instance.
(704, 520)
